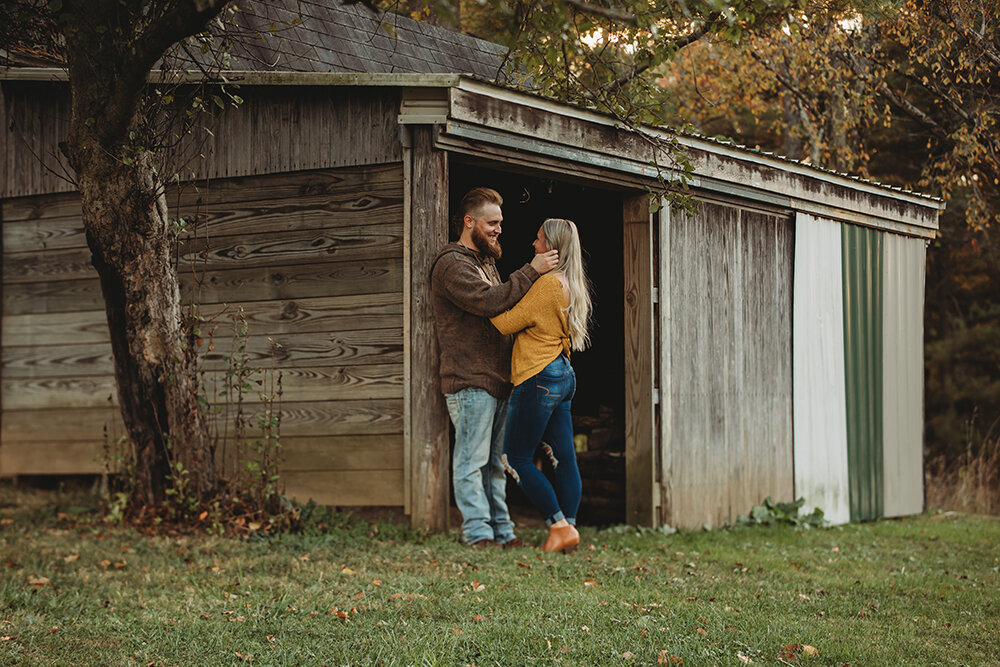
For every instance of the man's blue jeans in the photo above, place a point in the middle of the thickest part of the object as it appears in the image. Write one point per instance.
(539, 412)
(480, 484)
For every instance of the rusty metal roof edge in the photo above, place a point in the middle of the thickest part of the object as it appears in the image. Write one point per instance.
(474, 84)
(709, 144)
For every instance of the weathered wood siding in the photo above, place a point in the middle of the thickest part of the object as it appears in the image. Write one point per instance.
(820, 410)
(315, 258)
(277, 129)
(730, 277)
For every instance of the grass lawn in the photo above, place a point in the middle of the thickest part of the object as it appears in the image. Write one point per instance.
(73, 591)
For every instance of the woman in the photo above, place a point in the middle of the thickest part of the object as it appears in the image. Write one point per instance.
(550, 320)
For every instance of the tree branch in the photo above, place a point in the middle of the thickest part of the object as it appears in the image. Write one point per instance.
(618, 15)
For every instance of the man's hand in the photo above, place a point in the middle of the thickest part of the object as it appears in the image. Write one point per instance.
(545, 262)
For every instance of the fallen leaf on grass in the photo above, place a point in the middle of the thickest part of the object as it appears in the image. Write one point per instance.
(7, 638)
(585, 628)
(744, 659)
(376, 582)
(205, 616)
(702, 631)
(664, 659)
(304, 558)
(810, 650)
(71, 558)
(477, 587)
(523, 564)
(347, 570)
(38, 582)
(589, 582)
(359, 595)
(478, 618)
(271, 639)
(6, 521)
(628, 655)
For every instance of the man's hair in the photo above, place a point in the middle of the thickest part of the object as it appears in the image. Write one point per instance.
(473, 200)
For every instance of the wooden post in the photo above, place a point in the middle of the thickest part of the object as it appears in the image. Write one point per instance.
(640, 472)
(429, 444)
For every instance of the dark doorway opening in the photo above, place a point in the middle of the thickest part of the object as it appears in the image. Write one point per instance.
(599, 404)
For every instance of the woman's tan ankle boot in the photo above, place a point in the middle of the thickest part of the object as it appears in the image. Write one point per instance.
(563, 538)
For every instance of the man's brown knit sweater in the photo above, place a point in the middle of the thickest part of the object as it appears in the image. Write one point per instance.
(467, 291)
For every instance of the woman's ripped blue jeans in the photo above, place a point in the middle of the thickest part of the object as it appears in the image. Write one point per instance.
(539, 412)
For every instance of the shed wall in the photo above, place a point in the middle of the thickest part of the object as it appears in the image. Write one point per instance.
(277, 129)
(315, 260)
(821, 472)
(903, 388)
(864, 372)
(730, 277)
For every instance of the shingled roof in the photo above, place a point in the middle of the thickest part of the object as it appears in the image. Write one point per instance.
(318, 36)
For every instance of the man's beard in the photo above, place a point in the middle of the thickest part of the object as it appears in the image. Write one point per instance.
(483, 244)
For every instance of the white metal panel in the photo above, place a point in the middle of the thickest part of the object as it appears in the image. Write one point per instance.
(903, 383)
(819, 404)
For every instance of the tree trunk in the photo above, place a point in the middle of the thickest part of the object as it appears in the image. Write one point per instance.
(129, 234)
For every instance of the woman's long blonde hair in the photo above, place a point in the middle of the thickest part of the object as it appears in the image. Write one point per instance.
(562, 235)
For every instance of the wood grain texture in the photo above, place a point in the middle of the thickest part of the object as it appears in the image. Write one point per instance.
(730, 276)
(277, 129)
(346, 487)
(297, 384)
(308, 315)
(355, 243)
(429, 445)
(232, 286)
(286, 202)
(315, 418)
(381, 346)
(639, 418)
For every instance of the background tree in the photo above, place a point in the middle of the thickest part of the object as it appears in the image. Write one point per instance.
(907, 94)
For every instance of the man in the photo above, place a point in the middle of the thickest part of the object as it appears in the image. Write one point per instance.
(475, 361)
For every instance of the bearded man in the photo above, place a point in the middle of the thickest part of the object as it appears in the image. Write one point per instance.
(475, 361)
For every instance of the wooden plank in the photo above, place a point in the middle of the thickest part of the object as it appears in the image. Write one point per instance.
(297, 384)
(316, 418)
(233, 286)
(362, 242)
(407, 300)
(78, 457)
(309, 315)
(363, 206)
(346, 487)
(379, 346)
(335, 453)
(343, 452)
(334, 126)
(349, 181)
(639, 417)
(730, 363)
(663, 357)
(429, 445)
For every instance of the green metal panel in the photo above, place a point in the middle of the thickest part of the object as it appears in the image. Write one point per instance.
(863, 322)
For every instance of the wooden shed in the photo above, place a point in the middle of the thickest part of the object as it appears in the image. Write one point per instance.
(767, 344)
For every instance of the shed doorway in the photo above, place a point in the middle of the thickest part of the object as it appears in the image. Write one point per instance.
(599, 404)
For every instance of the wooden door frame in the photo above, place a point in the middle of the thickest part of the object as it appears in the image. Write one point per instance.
(426, 436)
(641, 359)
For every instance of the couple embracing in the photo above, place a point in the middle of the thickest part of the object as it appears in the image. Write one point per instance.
(492, 334)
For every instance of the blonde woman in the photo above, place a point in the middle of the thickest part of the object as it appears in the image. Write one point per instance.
(550, 320)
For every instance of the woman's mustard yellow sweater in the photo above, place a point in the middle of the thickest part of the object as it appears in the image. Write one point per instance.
(539, 320)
